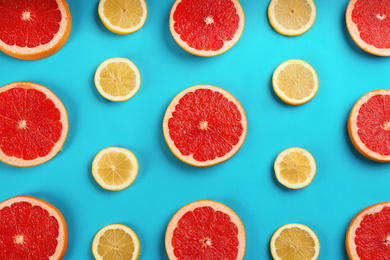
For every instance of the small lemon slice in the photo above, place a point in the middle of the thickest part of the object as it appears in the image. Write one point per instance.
(117, 79)
(123, 16)
(293, 242)
(291, 17)
(115, 168)
(295, 82)
(295, 168)
(115, 242)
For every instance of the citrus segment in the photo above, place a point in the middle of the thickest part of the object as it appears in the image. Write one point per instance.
(206, 28)
(204, 125)
(31, 228)
(205, 230)
(123, 16)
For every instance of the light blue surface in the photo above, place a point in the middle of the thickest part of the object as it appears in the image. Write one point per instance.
(345, 182)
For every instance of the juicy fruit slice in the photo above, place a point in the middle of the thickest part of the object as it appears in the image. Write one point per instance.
(117, 79)
(33, 124)
(369, 127)
(295, 82)
(114, 242)
(123, 16)
(204, 125)
(294, 242)
(368, 24)
(291, 18)
(206, 28)
(31, 228)
(295, 168)
(205, 230)
(32, 30)
(115, 168)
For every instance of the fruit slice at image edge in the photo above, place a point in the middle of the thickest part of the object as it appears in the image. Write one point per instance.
(31, 229)
(205, 229)
(33, 124)
(369, 125)
(204, 125)
(367, 236)
(32, 30)
(206, 28)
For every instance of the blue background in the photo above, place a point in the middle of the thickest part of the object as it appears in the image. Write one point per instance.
(345, 183)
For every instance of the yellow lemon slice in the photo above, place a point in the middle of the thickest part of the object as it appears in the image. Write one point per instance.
(295, 168)
(123, 16)
(294, 242)
(295, 82)
(117, 79)
(115, 242)
(291, 17)
(115, 168)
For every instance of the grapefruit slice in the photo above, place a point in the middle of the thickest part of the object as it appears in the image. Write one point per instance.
(31, 30)
(369, 26)
(206, 28)
(205, 230)
(33, 124)
(31, 228)
(204, 125)
(367, 236)
(369, 125)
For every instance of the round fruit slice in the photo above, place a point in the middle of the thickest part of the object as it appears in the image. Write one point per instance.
(206, 28)
(291, 18)
(123, 16)
(117, 79)
(205, 230)
(369, 125)
(33, 124)
(31, 228)
(115, 168)
(115, 242)
(31, 30)
(368, 24)
(294, 241)
(204, 125)
(295, 82)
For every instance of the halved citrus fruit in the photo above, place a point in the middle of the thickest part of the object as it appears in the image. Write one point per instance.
(291, 18)
(204, 125)
(117, 79)
(295, 82)
(294, 241)
(295, 168)
(368, 24)
(206, 28)
(32, 30)
(369, 125)
(123, 16)
(115, 242)
(31, 228)
(205, 230)
(115, 168)
(33, 124)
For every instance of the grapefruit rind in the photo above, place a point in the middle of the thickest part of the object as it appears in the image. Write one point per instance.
(64, 120)
(189, 159)
(217, 207)
(227, 44)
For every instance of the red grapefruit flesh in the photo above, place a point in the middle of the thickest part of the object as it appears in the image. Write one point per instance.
(33, 124)
(368, 235)
(368, 22)
(205, 230)
(206, 28)
(31, 229)
(369, 125)
(32, 30)
(204, 125)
